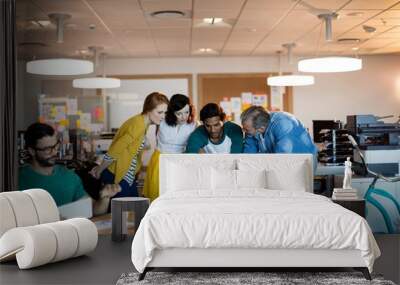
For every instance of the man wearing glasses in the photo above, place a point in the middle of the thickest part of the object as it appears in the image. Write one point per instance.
(42, 171)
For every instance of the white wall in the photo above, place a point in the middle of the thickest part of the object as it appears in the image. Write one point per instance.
(375, 89)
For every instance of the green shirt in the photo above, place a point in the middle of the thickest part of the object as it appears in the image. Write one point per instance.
(231, 133)
(63, 184)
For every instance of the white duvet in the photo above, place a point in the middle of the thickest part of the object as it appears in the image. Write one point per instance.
(253, 218)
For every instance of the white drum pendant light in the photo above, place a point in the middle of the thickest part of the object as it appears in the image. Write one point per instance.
(289, 80)
(97, 82)
(59, 66)
(330, 63)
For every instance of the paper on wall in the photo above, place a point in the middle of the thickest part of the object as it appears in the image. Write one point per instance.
(85, 121)
(72, 106)
(59, 113)
(247, 98)
(260, 100)
(277, 98)
(236, 104)
(226, 106)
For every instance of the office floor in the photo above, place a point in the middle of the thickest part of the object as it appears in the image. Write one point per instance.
(102, 266)
(111, 259)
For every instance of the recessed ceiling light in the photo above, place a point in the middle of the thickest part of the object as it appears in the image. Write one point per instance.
(355, 14)
(40, 23)
(212, 21)
(369, 29)
(351, 41)
(355, 48)
(168, 14)
(44, 23)
(205, 51)
(71, 26)
(82, 51)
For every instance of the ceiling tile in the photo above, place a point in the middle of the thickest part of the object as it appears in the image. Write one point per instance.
(269, 4)
(218, 4)
(157, 5)
(259, 27)
(371, 4)
(315, 5)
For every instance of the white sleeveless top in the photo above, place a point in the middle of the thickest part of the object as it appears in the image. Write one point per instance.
(173, 139)
(223, 147)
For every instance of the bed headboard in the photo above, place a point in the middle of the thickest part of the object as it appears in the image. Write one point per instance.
(283, 161)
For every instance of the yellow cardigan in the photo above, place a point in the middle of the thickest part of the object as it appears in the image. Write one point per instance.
(125, 146)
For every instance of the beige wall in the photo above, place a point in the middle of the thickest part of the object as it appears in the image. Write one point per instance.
(375, 89)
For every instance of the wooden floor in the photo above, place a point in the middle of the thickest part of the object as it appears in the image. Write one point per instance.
(111, 259)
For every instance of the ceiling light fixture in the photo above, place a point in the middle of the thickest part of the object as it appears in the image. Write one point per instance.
(204, 51)
(330, 63)
(59, 66)
(168, 14)
(59, 19)
(212, 21)
(369, 29)
(97, 82)
(289, 80)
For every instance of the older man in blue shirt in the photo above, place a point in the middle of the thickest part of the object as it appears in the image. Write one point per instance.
(275, 132)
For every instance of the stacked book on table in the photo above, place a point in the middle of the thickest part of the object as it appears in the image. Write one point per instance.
(344, 194)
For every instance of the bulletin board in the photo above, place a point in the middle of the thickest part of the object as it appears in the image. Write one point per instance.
(216, 87)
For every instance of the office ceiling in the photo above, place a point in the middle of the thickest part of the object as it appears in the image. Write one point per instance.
(128, 28)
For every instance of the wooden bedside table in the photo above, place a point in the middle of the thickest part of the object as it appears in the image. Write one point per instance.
(357, 206)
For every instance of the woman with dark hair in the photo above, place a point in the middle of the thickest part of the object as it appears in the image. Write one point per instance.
(123, 159)
(172, 136)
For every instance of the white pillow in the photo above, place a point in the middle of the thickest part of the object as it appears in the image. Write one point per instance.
(251, 178)
(292, 179)
(183, 177)
(223, 179)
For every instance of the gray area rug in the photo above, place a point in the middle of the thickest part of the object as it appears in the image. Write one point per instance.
(229, 278)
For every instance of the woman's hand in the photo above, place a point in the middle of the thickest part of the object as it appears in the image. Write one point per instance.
(110, 190)
(96, 171)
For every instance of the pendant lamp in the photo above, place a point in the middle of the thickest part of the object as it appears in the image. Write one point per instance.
(97, 82)
(59, 66)
(289, 80)
(330, 63)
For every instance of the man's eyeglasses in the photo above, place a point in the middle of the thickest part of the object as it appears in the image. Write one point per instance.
(49, 149)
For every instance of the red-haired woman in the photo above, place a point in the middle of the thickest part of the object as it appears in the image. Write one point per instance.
(123, 159)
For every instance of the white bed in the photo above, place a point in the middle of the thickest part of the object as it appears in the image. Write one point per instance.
(247, 211)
